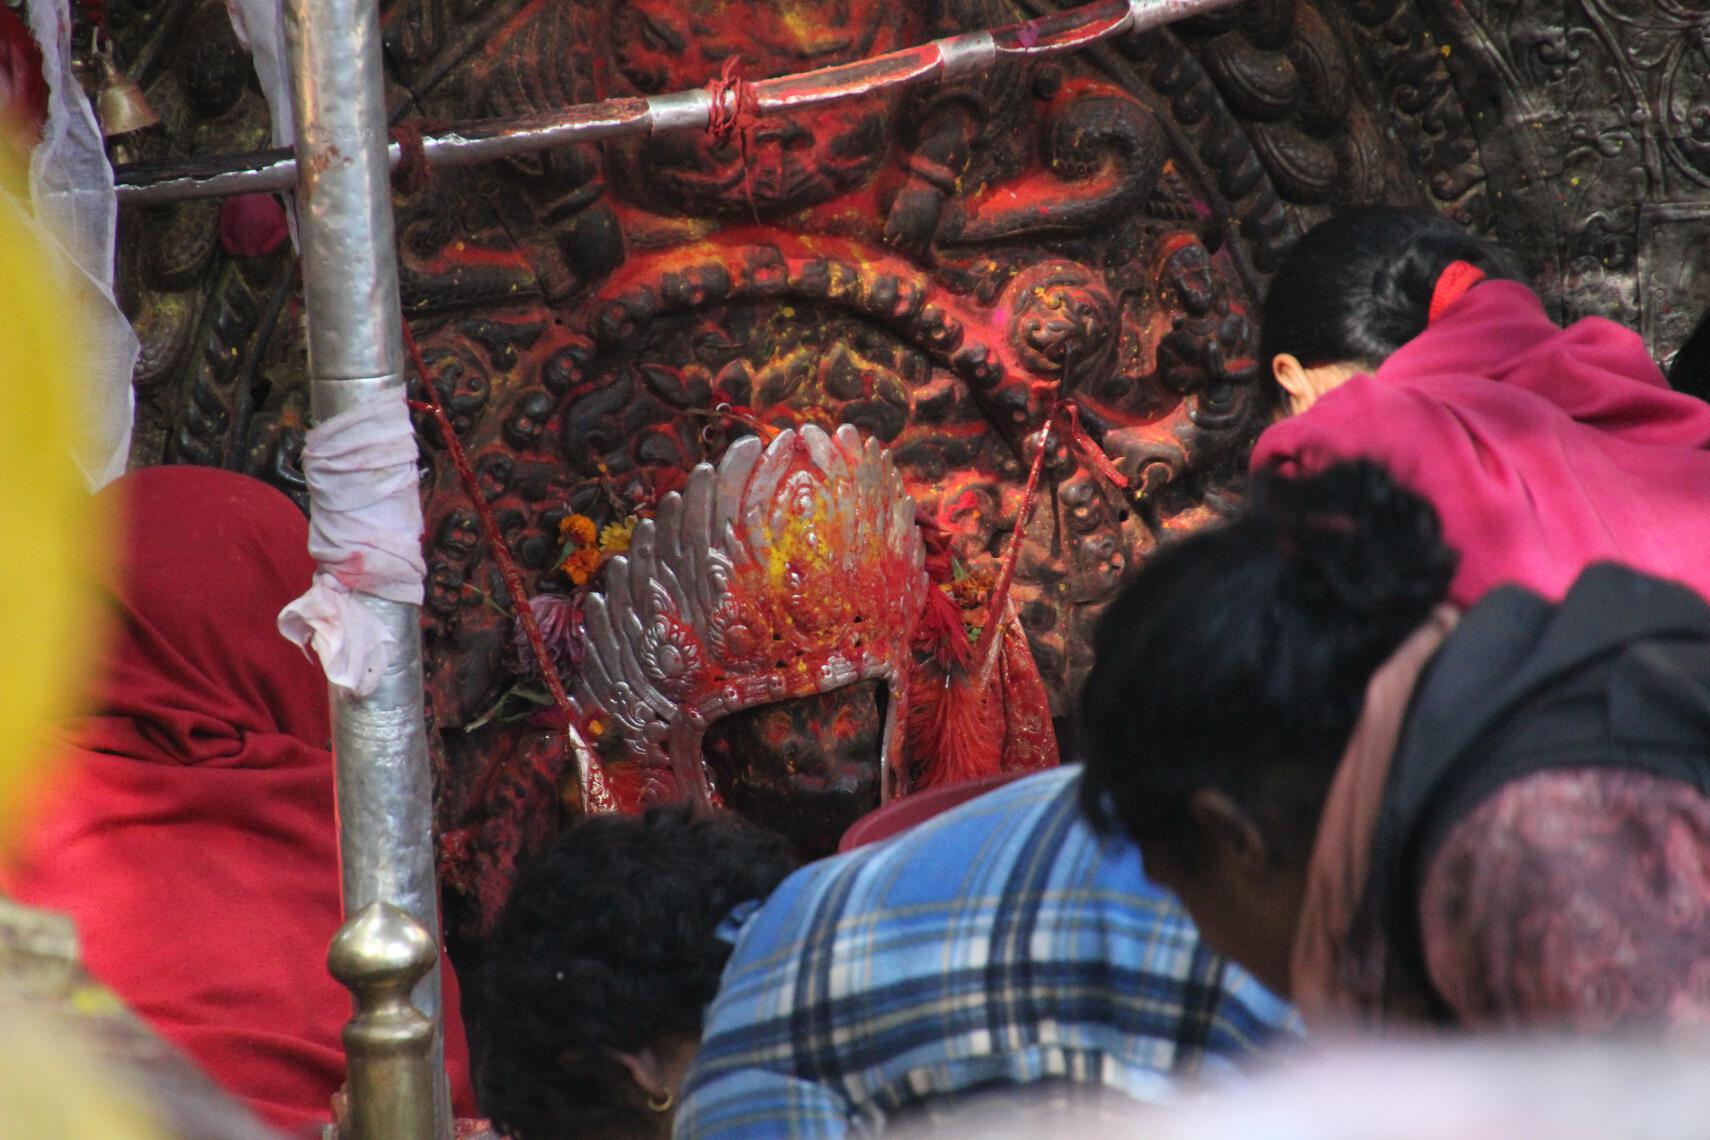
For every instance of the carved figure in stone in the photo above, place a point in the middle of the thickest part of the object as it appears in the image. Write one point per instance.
(1208, 352)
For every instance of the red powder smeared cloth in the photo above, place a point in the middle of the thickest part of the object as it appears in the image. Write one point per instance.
(1544, 449)
(366, 536)
(191, 833)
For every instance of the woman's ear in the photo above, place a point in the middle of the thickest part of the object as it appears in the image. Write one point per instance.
(1297, 386)
(1304, 385)
(1230, 835)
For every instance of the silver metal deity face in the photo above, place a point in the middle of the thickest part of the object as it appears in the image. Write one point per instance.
(790, 569)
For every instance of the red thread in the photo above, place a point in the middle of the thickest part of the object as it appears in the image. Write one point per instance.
(596, 796)
(1090, 452)
(734, 109)
(411, 173)
(734, 103)
(1452, 284)
(1062, 419)
(1065, 419)
(998, 601)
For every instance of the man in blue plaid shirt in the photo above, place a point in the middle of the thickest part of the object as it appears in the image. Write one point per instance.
(1003, 943)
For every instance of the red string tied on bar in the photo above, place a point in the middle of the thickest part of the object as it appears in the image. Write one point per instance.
(735, 107)
(411, 173)
(591, 777)
(734, 104)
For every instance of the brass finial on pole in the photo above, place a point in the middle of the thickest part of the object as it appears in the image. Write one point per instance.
(379, 955)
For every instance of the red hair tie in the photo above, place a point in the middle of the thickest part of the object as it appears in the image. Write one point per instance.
(1452, 284)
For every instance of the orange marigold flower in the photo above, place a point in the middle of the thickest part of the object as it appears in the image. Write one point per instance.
(578, 529)
(582, 564)
(972, 591)
(614, 539)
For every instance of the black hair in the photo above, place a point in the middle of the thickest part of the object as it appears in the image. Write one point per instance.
(1357, 287)
(1236, 659)
(1689, 371)
(607, 944)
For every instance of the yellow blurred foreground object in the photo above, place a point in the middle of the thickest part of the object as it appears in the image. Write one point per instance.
(52, 535)
(52, 1089)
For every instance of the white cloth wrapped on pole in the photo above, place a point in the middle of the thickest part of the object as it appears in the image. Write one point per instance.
(365, 534)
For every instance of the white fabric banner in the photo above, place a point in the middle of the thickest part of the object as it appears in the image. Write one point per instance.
(260, 27)
(71, 194)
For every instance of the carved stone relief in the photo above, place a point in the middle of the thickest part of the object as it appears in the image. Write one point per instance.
(933, 268)
(1596, 128)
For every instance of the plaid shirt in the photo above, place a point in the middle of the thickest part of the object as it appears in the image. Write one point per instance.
(1002, 943)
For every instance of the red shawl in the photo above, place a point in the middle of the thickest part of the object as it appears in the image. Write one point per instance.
(1544, 449)
(191, 834)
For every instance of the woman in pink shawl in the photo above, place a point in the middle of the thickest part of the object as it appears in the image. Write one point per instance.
(1396, 336)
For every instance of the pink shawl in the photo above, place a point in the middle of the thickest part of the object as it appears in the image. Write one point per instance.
(1544, 449)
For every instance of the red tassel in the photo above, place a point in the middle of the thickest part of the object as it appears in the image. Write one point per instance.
(941, 633)
(952, 728)
(1029, 738)
(946, 727)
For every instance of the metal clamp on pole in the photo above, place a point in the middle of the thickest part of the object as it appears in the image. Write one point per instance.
(379, 955)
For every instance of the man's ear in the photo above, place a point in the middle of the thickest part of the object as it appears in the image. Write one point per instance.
(1228, 832)
(1292, 378)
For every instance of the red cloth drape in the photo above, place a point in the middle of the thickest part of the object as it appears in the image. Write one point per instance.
(1544, 449)
(191, 834)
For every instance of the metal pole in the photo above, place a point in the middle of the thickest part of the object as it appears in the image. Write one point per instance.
(350, 287)
(950, 58)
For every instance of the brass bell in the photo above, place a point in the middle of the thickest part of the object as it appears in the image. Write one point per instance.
(121, 105)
